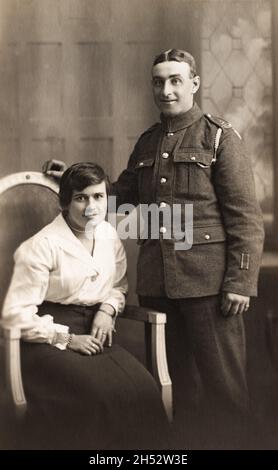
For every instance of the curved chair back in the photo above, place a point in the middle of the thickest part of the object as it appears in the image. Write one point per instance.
(28, 201)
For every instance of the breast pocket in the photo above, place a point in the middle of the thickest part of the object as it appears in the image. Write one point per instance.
(144, 168)
(192, 173)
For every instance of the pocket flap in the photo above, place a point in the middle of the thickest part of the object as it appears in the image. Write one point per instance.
(143, 162)
(203, 158)
(209, 234)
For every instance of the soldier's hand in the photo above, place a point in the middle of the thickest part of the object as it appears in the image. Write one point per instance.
(234, 304)
(54, 168)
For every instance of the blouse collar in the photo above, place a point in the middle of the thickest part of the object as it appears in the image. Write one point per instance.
(65, 238)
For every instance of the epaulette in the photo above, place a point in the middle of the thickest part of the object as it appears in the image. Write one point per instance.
(219, 121)
(222, 124)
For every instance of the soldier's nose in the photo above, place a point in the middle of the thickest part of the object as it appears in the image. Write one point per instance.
(166, 91)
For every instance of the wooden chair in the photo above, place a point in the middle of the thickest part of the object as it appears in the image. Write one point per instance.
(28, 201)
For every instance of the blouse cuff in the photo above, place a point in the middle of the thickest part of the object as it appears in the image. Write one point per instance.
(108, 308)
(117, 303)
(60, 336)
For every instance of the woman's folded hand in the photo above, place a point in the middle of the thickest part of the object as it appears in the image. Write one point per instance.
(85, 344)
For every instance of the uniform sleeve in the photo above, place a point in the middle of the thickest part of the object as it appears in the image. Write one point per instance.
(126, 187)
(242, 217)
(117, 294)
(34, 260)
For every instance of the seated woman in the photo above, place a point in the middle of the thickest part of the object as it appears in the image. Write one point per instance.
(69, 284)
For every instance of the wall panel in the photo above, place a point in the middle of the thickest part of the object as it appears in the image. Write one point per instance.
(44, 81)
(98, 150)
(8, 91)
(94, 80)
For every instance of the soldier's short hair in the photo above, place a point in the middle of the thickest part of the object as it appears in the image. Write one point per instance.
(177, 55)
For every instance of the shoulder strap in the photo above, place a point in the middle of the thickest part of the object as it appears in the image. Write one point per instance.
(221, 124)
(219, 121)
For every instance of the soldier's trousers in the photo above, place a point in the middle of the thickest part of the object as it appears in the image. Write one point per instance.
(207, 359)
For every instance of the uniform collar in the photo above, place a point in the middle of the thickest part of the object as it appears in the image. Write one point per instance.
(181, 121)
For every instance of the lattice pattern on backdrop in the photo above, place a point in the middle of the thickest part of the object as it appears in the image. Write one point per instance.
(237, 78)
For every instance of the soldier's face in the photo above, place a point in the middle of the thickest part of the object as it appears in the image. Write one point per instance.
(173, 89)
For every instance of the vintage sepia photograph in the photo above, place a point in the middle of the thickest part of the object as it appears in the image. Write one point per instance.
(139, 226)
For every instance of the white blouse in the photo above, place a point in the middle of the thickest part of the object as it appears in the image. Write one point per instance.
(53, 265)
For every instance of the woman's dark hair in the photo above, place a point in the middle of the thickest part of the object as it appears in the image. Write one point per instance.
(78, 177)
(177, 55)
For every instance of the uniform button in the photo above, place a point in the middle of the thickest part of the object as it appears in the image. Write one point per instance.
(163, 229)
(193, 158)
(163, 180)
(141, 163)
(170, 134)
(162, 204)
(207, 236)
(165, 155)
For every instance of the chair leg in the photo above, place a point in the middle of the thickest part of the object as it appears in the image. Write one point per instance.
(13, 370)
(157, 363)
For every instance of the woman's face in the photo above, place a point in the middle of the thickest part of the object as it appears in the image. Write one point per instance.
(88, 206)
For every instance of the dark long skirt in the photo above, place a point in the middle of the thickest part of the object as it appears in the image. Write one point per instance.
(104, 401)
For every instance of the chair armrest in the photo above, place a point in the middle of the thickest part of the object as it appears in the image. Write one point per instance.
(132, 312)
(155, 350)
(13, 367)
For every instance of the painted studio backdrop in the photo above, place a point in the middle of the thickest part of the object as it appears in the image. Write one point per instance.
(75, 85)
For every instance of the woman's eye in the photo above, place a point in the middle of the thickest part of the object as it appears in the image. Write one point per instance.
(80, 198)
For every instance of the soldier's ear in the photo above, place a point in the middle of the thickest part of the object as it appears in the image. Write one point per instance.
(195, 84)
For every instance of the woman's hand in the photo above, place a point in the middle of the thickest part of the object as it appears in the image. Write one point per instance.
(102, 327)
(85, 344)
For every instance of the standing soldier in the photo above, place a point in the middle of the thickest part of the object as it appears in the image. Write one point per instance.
(195, 158)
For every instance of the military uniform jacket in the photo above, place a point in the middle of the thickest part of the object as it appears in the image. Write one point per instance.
(196, 159)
